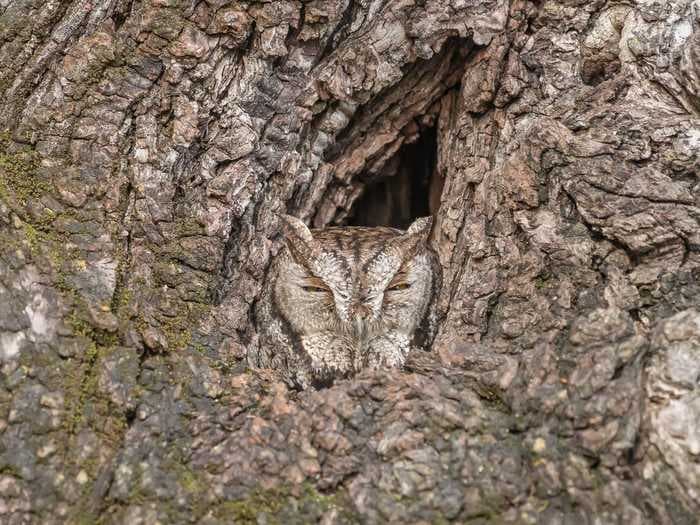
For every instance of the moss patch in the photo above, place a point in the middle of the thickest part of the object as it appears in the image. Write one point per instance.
(281, 506)
(19, 172)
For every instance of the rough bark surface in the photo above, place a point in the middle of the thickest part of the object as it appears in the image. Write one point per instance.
(148, 148)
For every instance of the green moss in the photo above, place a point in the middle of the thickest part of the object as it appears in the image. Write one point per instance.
(5, 83)
(40, 239)
(48, 249)
(32, 236)
(176, 333)
(280, 505)
(225, 366)
(10, 470)
(166, 23)
(85, 518)
(80, 387)
(190, 481)
(81, 327)
(247, 510)
(187, 227)
(540, 283)
(121, 296)
(120, 304)
(177, 330)
(325, 501)
(19, 172)
(199, 348)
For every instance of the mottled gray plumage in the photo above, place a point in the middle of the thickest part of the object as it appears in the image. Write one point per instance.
(341, 299)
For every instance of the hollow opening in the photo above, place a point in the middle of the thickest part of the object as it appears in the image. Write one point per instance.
(406, 189)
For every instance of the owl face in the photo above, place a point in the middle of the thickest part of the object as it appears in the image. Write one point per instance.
(354, 296)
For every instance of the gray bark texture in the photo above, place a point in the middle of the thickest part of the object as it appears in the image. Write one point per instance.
(147, 149)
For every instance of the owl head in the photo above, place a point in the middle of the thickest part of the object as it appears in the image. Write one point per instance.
(354, 294)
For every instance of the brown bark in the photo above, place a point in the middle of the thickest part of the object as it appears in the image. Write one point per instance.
(149, 147)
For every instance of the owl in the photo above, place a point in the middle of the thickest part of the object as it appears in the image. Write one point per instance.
(340, 299)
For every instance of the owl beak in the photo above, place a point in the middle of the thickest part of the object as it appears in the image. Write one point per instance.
(360, 315)
(361, 312)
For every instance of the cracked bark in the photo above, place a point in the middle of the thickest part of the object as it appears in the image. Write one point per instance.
(149, 147)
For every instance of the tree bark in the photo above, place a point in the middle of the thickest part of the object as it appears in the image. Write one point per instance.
(149, 146)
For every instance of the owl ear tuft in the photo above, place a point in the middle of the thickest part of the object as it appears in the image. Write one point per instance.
(411, 242)
(298, 238)
(421, 226)
(294, 229)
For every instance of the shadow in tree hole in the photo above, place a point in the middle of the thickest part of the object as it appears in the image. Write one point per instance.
(406, 189)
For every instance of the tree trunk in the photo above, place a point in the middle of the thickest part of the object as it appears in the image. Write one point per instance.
(148, 149)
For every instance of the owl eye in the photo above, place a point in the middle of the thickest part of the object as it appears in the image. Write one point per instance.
(399, 286)
(313, 289)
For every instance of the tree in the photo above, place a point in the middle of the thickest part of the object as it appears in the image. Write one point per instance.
(149, 147)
